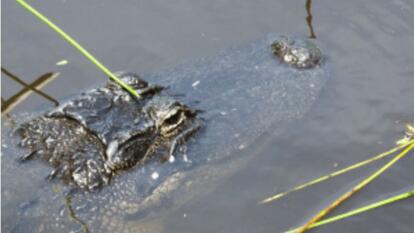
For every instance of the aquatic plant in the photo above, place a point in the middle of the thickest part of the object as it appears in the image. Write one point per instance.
(404, 145)
(81, 49)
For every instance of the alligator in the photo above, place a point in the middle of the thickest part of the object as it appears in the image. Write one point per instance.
(165, 152)
(104, 130)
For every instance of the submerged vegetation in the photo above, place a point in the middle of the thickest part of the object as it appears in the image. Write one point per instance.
(7, 105)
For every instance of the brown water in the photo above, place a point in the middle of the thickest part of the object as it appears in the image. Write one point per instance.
(361, 112)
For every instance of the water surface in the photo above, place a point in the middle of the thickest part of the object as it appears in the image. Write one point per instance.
(361, 112)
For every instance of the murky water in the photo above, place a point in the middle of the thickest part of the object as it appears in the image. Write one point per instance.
(361, 112)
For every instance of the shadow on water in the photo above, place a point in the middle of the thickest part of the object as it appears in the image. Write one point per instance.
(8, 104)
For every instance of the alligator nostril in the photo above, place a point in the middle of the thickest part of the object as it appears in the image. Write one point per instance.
(300, 54)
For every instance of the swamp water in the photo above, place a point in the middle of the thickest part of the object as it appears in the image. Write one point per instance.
(360, 113)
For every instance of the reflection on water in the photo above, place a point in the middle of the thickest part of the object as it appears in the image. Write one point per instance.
(308, 6)
(8, 104)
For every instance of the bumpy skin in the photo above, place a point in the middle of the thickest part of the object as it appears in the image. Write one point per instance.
(301, 54)
(89, 138)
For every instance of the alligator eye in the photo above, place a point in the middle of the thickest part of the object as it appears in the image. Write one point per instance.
(173, 119)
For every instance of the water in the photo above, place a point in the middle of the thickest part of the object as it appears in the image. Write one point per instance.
(361, 112)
